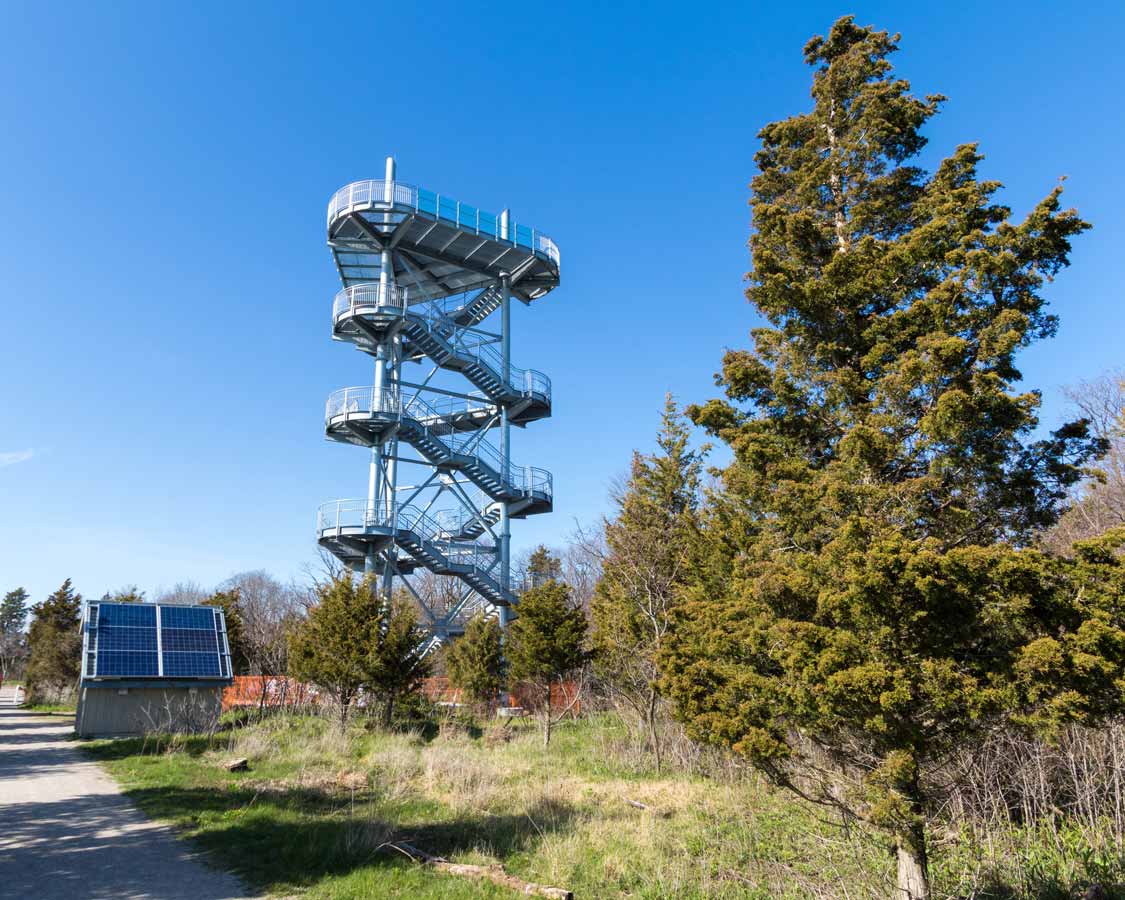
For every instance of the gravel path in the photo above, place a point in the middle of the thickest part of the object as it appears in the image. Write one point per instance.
(67, 832)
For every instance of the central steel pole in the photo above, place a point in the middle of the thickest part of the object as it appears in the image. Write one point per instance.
(379, 504)
(374, 473)
(391, 500)
(505, 427)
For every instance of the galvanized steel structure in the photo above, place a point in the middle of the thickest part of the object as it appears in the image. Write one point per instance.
(422, 275)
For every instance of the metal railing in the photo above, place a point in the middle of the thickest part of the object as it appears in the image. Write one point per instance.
(337, 515)
(369, 296)
(366, 401)
(341, 515)
(474, 404)
(528, 381)
(372, 296)
(462, 215)
(451, 304)
(457, 521)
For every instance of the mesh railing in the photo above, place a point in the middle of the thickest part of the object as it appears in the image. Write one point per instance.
(451, 305)
(368, 297)
(350, 514)
(462, 215)
(366, 401)
(342, 515)
(454, 521)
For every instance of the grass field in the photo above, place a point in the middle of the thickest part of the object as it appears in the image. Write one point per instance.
(66, 705)
(67, 709)
(318, 805)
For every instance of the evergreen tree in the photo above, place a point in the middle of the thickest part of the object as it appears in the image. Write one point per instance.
(332, 647)
(355, 639)
(864, 608)
(55, 643)
(13, 612)
(542, 567)
(649, 545)
(13, 641)
(397, 662)
(546, 643)
(475, 661)
(128, 594)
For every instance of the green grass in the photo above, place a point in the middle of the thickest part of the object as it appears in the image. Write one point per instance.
(51, 708)
(313, 813)
(65, 704)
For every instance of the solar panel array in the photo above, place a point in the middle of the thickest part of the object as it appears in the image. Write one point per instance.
(146, 640)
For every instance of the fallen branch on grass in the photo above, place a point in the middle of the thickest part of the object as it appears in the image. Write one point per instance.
(656, 811)
(495, 874)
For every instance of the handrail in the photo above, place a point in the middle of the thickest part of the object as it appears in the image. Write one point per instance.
(336, 515)
(374, 295)
(457, 521)
(369, 295)
(451, 304)
(389, 401)
(373, 193)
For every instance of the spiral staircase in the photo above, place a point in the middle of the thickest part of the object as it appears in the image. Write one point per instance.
(422, 276)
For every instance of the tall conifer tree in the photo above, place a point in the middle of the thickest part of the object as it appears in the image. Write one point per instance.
(332, 647)
(546, 644)
(55, 643)
(866, 609)
(649, 549)
(13, 640)
(13, 612)
(475, 661)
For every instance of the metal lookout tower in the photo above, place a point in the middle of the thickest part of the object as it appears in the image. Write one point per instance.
(422, 274)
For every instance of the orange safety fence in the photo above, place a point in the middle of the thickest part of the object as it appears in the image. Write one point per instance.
(280, 690)
(268, 690)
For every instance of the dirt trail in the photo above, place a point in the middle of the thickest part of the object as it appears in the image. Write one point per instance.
(67, 832)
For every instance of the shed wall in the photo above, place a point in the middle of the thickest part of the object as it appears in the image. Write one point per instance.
(104, 712)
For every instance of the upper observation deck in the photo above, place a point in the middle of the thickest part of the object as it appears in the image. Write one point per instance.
(438, 245)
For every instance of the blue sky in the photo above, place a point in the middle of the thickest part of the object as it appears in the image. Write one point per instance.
(166, 289)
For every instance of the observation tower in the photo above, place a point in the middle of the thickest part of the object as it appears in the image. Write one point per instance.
(423, 275)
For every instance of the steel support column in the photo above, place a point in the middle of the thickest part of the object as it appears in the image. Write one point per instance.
(505, 425)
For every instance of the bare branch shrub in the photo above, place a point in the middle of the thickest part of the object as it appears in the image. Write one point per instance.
(1098, 504)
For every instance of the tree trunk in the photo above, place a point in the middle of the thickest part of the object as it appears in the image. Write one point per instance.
(388, 710)
(913, 874)
(653, 736)
(547, 717)
(345, 702)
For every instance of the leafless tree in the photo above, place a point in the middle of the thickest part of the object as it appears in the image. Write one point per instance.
(268, 610)
(1099, 502)
(182, 592)
(580, 564)
(317, 576)
(582, 560)
(13, 655)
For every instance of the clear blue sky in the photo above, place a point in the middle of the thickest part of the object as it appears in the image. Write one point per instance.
(164, 171)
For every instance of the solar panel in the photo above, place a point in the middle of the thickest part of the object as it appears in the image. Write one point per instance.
(190, 642)
(146, 640)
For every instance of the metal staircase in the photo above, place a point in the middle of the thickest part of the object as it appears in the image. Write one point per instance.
(448, 440)
(364, 314)
(347, 526)
(422, 275)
